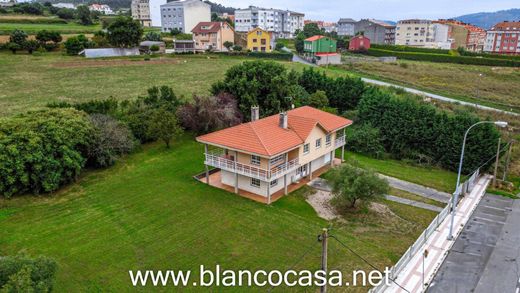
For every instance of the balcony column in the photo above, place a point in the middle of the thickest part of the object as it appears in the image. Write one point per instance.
(236, 174)
(268, 181)
(332, 158)
(343, 147)
(285, 176)
(206, 165)
(310, 170)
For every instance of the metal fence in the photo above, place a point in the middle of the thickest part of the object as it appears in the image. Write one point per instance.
(464, 189)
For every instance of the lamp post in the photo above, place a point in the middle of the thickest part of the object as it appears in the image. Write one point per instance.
(455, 196)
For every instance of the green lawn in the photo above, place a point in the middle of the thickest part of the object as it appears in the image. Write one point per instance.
(431, 177)
(148, 212)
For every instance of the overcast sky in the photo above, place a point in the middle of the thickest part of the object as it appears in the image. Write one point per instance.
(332, 10)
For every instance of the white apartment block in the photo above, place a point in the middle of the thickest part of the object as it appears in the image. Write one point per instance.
(423, 33)
(283, 23)
(184, 15)
(103, 8)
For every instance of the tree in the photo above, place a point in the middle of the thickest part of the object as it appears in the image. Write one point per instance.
(237, 48)
(31, 46)
(175, 31)
(365, 139)
(207, 114)
(65, 13)
(21, 273)
(124, 32)
(319, 99)
(311, 29)
(263, 83)
(48, 39)
(18, 37)
(228, 45)
(351, 184)
(13, 47)
(279, 46)
(111, 139)
(154, 48)
(163, 125)
(76, 44)
(153, 36)
(83, 14)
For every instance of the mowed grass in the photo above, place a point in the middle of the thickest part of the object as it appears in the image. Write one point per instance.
(147, 212)
(34, 81)
(497, 87)
(437, 178)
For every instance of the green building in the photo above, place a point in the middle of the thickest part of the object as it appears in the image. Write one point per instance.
(319, 44)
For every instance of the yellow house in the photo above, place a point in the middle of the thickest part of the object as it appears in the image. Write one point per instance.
(259, 40)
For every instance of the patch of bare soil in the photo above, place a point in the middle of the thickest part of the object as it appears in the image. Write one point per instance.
(320, 201)
(103, 63)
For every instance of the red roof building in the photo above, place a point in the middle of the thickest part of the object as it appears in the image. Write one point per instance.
(503, 38)
(212, 35)
(253, 156)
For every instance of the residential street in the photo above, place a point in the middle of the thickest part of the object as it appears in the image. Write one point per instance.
(485, 256)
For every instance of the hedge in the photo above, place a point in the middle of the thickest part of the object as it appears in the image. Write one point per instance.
(401, 48)
(444, 58)
(278, 56)
(34, 20)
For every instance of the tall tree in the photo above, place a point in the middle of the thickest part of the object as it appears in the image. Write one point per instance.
(124, 32)
(163, 125)
(84, 15)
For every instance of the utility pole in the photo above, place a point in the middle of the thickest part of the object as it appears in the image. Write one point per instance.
(324, 239)
(496, 163)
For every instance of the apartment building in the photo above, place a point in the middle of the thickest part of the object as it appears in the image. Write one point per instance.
(503, 38)
(184, 15)
(265, 156)
(423, 33)
(283, 23)
(465, 35)
(346, 27)
(379, 32)
(212, 36)
(141, 12)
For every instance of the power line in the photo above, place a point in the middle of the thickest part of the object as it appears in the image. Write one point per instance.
(363, 259)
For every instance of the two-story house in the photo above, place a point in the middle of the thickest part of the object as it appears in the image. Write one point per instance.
(212, 35)
(259, 40)
(263, 157)
(321, 50)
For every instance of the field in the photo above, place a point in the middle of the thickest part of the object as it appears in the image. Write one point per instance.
(497, 87)
(32, 28)
(148, 212)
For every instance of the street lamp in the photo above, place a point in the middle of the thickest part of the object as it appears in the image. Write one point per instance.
(455, 196)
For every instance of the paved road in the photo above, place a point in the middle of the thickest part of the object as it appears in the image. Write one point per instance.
(485, 257)
(296, 58)
(417, 189)
(437, 97)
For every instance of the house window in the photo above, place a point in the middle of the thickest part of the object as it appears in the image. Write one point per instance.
(263, 41)
(328, 139)
(274, 183)
(277, 159)
(318, 143)
(255, 160)
(254, 40)
(306, 148)
(255, 182)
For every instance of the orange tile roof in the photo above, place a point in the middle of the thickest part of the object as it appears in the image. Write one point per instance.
(266, 138)
(314, 38)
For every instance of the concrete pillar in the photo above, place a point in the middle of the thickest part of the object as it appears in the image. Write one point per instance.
(236, 174)
(343, 147)
(207, 168)
(310, 170)
(285, 184)
(332, 158)
(268, 181)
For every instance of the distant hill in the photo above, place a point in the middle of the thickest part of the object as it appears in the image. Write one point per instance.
(487, 19)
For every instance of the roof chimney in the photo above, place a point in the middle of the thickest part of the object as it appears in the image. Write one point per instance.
(283, 120)
(255, 113)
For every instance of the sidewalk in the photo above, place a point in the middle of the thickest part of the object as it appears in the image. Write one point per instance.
(437, 245)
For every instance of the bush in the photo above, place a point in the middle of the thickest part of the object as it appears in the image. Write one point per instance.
(319, 99)
(279, 46)
(76, 44)
(13, 47)
(207, 114)
(350, 184)
(365, 139)
(153, 36)
(42, 150)
(23, 274)
(154, 48)
(18, 37)
(111, 139)
(237, 48)
(163, 125)
(106, 107)
(31, 46)
(66, 13)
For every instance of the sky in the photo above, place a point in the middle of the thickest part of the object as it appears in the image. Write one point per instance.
(332, 10)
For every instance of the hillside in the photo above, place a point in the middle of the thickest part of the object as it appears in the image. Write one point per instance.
(488, 19)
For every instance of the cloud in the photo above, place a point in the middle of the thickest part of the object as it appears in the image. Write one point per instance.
(332, 10)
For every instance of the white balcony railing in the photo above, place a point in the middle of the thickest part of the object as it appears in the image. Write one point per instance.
(340, 141)
(220, 160)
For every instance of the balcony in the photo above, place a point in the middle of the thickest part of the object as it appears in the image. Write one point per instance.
(219, 160)
(340, 141)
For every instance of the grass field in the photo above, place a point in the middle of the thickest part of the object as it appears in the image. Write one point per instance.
(497, 87)
(32, 28)
(148, 212)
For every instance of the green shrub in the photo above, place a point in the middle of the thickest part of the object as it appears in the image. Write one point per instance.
(42, 150)
(23, 274)
(365, 139)
(76, 44)
(34, 20)
(106, 107)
